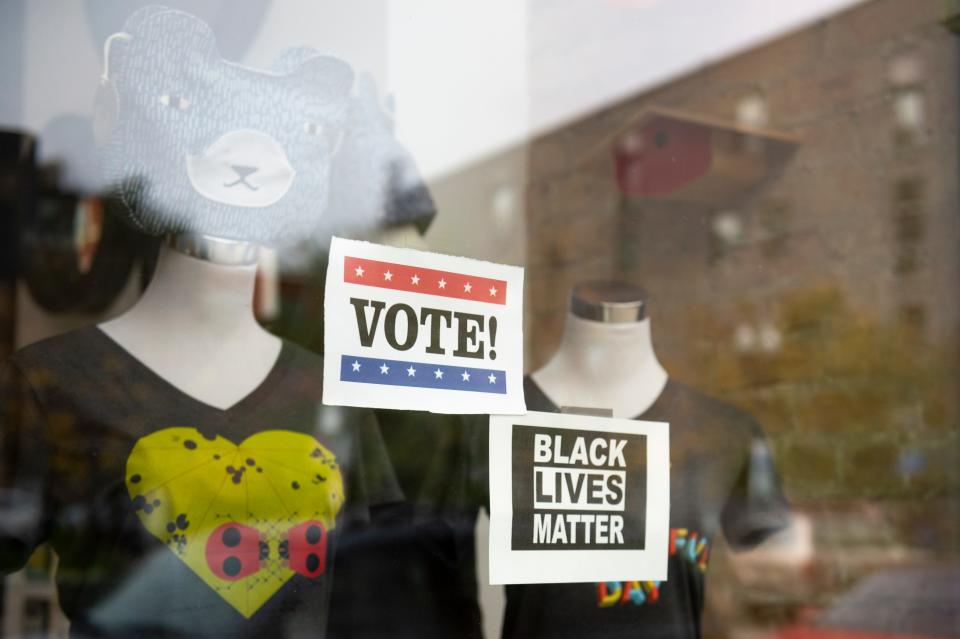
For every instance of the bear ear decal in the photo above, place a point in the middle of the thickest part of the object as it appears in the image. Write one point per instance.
(158, 30)
(332, 76)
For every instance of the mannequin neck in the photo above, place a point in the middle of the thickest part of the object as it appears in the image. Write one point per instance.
(599, 352)
(198, 295)
(195, 327)
(604, 365)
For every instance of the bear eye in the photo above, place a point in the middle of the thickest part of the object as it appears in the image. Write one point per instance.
(175, 101)
(332, 137)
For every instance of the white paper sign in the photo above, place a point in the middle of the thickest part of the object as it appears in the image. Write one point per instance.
(578, 499)
(414, 330)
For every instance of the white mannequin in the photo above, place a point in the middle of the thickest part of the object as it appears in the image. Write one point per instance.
(194, 325)
(605, 362)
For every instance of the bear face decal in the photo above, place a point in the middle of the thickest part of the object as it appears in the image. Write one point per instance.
(204, 145)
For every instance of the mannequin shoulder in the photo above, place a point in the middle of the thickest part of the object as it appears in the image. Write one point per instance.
(301, 356)
(707, 412)
(77, 347)
(301, 366)
(68, 361)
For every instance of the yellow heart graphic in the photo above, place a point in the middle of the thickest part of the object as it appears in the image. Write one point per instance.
(244, 518)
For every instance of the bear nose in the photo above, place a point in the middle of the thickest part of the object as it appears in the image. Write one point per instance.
(243, 171)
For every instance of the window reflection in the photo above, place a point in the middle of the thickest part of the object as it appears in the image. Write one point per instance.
(781, 183)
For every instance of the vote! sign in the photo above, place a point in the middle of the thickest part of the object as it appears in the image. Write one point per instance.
(576, 498)
(414, 330)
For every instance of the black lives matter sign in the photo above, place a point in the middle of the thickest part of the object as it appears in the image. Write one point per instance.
(578, 489)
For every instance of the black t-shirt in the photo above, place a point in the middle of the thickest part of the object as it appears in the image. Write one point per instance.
(721, 477)
(413, 573)
(172, 518)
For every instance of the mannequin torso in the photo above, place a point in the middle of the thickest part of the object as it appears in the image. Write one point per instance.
(194, 326)
(607, 365)
(721, 476)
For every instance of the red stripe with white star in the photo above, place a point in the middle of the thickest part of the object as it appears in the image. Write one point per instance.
(400, 277)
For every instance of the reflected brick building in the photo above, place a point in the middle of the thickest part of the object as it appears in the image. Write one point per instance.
(823, 298)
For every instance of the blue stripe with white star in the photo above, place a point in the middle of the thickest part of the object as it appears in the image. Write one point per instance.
(394, 372)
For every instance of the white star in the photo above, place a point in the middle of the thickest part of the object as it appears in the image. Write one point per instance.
(442, 283)
(492, 378)
(358, 271)
(465, 375)
(493, 291)
(415, 280)
(388, 276)
(384, 369)
(438, 374)
(356, 366)
(467, 287)
(411, 372)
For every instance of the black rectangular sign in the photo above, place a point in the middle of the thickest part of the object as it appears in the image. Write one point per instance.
(578, 489)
